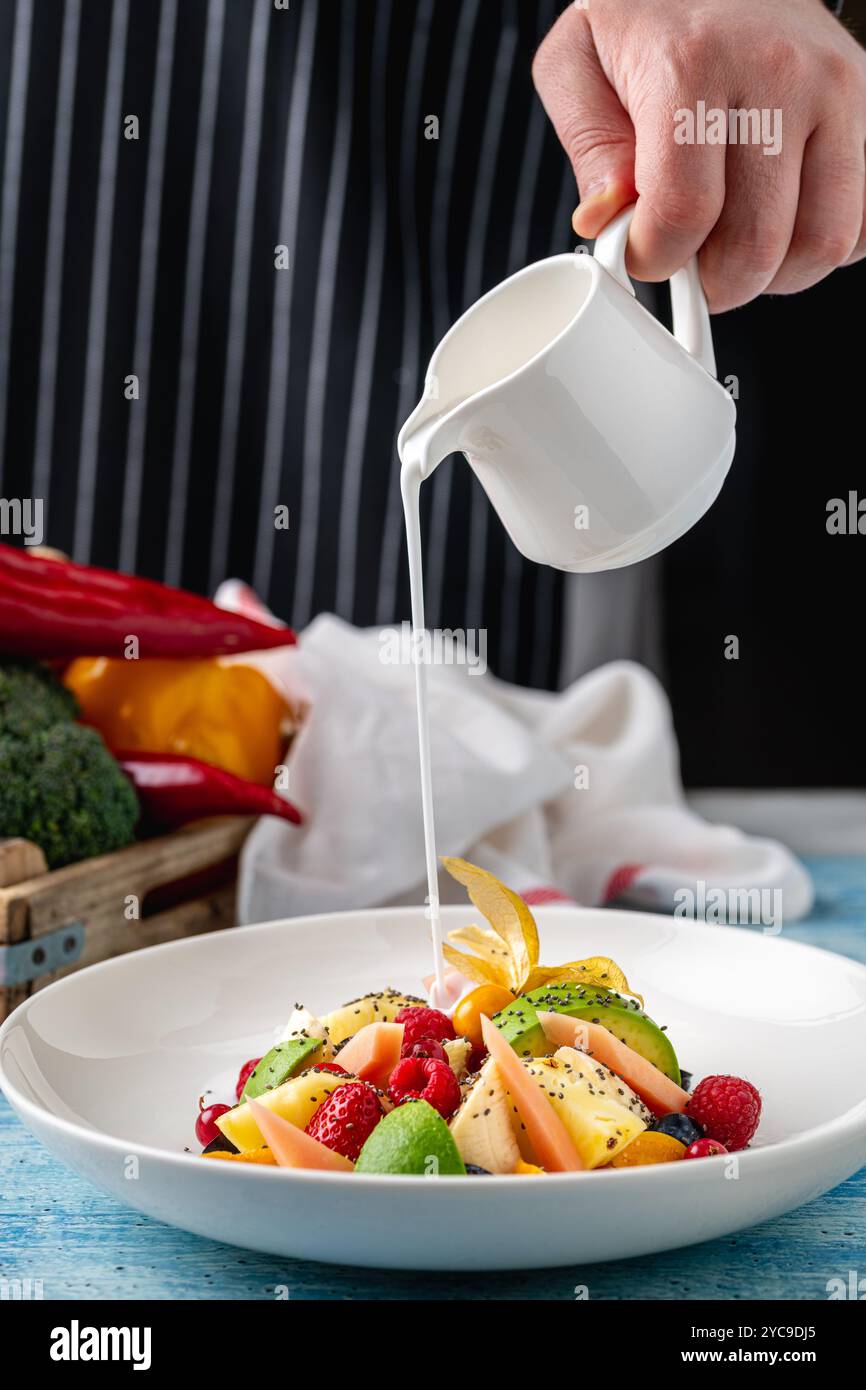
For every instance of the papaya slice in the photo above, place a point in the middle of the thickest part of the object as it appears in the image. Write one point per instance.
(373, 1052)
(551, 1141)
(656, 1090)
(292, 1147)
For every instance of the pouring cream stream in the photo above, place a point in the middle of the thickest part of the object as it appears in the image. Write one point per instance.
(412, 471)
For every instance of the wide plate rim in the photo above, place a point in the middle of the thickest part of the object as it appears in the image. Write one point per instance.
(849, 1125)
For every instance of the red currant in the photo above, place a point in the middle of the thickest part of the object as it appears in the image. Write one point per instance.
(704, 1148)
(205, 1121)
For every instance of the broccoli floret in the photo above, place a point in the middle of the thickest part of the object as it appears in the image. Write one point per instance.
(61, 788)
(32, 698)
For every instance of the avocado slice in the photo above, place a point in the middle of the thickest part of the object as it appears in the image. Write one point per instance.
(283, 1061)
(621, 1016)
(519, 1021)
(519, 1024)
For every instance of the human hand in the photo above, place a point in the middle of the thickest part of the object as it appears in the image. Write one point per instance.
(615, 78)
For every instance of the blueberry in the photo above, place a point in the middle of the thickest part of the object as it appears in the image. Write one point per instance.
(474, 1171)
(686, 1081)
(220, 1145)
(678, 1127)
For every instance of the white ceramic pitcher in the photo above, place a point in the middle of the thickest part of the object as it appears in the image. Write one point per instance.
(598, 436)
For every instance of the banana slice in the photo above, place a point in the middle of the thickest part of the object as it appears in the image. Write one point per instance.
(482, 1126)
(303, 1024)
(458, 1051)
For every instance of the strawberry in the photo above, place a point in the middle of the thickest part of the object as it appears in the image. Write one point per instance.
(347, 1118)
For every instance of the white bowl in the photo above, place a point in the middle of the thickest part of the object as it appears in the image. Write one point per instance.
(105, 1067)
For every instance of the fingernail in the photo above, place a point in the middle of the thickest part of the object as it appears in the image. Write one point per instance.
(593, 189)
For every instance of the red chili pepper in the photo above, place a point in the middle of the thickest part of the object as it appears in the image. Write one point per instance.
(55, 608)
(173, 789)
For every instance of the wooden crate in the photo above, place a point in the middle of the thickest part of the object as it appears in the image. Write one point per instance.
(54, 923)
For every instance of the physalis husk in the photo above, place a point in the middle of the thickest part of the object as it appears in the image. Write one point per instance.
(506, 952)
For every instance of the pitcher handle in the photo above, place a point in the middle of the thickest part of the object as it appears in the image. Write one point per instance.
(691, 318)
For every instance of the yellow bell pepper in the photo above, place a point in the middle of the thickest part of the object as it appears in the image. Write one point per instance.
(224, 713)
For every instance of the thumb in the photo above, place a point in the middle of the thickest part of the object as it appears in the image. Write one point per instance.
(593, 128)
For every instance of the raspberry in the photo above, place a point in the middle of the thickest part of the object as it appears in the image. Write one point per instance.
(477, 1058)
(420, 1022)
(425, 1078)
(347, 1118)
(330, 1066)
(704, 1148)
(425, 1047)
(728, 1108)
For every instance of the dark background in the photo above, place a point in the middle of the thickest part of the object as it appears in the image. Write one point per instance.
(760, 565)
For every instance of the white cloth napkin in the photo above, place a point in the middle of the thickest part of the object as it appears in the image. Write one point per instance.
(572, 796)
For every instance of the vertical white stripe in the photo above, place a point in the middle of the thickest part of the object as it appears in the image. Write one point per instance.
(193, 278)
(410, 356)
(518, 250)
(368, 328)
(546, 579)
(15, 119)
(99, 281)
(440, 483)
(477, 240)
(50, 336)
(239, 291)
(314, 414)
(149, 257)
(518, 254)
(284, 280)
(491, 149)
(562, 233)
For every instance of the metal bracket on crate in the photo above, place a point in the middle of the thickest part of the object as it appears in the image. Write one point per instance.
(27, 960)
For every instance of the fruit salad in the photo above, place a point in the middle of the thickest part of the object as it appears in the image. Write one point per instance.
(534, 1069)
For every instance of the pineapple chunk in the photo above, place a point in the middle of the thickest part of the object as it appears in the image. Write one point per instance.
(371, 1008)
(597, 1079)
(297, 1100)
(599, 1126)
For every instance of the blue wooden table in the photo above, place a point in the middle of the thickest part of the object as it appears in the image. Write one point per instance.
(83, 1245)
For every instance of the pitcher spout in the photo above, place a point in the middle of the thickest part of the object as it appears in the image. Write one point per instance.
(430, 434)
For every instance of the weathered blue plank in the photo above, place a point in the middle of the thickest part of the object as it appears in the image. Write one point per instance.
(81, 1244)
